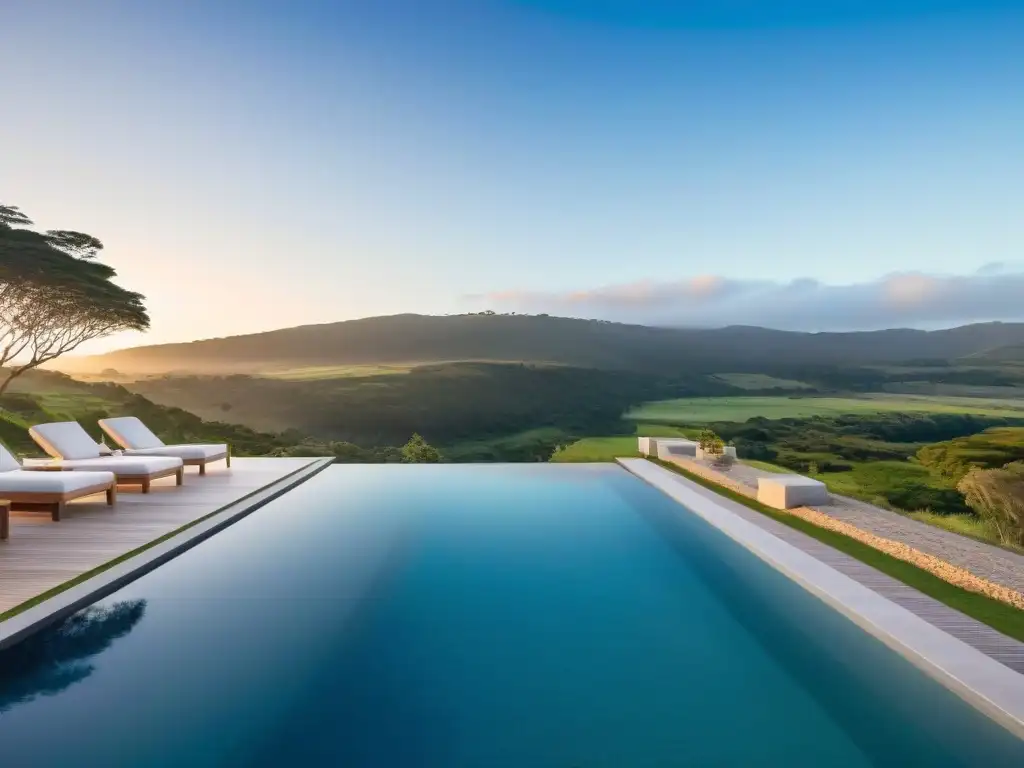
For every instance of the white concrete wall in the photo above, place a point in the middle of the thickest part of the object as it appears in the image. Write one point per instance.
(669, 447)
(788, 491)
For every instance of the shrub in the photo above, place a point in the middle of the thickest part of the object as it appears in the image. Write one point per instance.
(707, 440)
(419, 451)
(997, 496)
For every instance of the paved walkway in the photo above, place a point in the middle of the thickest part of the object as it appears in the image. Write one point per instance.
(984, 560)
(996, 645)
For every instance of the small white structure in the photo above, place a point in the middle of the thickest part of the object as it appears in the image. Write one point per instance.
(662, 447)
(788, 491)
(666, 448)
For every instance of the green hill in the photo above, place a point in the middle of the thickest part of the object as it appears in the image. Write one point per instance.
(42, 396)
(420, 339)
(1009, 353)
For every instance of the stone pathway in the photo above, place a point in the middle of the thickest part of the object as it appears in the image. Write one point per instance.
(984, 560)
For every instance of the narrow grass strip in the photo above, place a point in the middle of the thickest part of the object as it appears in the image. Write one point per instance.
(54, 591)
(995, 613)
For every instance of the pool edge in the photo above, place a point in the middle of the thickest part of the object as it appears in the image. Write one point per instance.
(67, 602)
(989, 686)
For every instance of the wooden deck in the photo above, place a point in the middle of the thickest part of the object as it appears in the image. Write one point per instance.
(41, 554)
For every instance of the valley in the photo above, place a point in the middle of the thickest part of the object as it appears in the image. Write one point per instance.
(896, 423)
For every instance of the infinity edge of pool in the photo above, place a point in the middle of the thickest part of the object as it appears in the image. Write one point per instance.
(983, 682)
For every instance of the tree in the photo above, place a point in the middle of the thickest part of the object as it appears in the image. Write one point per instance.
(54, 295)
(706, 439)
(419, 451)
(997, 495)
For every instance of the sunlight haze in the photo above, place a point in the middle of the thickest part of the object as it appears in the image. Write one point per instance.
(259, 165)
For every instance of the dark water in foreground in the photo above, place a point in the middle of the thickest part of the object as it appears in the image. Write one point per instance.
(475, 616)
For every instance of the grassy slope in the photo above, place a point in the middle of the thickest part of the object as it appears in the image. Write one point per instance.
(996, 614)
(710, 409)
(760, 381)
(965, 525)
(47, 396)
(315, 372)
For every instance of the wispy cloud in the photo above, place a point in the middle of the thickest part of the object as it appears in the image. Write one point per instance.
(910, 299)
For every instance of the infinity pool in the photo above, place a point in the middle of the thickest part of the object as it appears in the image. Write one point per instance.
(475, 616)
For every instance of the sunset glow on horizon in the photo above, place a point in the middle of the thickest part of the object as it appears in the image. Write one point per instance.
(262, 165)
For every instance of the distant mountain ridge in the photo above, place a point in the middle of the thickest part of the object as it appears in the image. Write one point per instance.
(420, 339)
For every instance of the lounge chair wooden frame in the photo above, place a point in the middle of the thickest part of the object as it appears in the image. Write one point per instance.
(145, 480)
(201, 463)
(55, 501)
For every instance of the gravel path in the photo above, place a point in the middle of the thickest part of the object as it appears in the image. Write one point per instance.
(989, 562)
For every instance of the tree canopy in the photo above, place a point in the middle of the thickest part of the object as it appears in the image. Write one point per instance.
(419, 451)
(54, 295)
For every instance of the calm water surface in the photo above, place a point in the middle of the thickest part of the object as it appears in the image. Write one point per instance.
(475, 617)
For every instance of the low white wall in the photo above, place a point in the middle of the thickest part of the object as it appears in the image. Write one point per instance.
(789, 491)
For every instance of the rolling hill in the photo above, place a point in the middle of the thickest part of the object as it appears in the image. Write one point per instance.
(421, 339)
(1010, 353)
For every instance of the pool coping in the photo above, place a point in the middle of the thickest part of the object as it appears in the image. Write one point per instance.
(108, 581)
(988, 685)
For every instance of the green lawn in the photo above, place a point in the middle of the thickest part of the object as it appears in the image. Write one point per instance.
(759, 381)
(70, 405)
(965, 525)
(998, 615)
(597, 449)
(591, 449)
(702, 410)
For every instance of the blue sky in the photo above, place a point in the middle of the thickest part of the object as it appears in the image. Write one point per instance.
(253, 165)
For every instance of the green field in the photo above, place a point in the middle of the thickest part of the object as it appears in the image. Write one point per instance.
(313, 372)
(703, 410)
(759, 381)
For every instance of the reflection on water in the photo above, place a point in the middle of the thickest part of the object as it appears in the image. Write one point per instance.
(58, 657)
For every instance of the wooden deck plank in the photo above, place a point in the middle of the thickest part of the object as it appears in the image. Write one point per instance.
(41, 554)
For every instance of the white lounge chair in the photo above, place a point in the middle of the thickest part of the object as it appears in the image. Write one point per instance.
(73, 449)
(50, 490)
(138, 440)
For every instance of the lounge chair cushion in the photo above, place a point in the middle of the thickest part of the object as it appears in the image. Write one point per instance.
(65, 440)
(121, 465)
(7, 461)
(182, 451)
(23, 481)
(130, 433)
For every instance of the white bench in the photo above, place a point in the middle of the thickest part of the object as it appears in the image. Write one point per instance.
(666, 448)
(788, 491)
(660, 446)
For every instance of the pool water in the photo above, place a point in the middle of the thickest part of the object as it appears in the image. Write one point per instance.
(475, 616)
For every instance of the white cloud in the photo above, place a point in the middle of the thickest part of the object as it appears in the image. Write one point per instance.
(911, 299)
